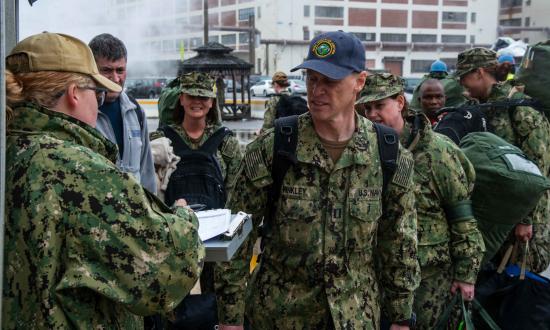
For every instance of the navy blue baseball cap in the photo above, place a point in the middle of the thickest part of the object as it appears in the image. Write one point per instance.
(335, 54)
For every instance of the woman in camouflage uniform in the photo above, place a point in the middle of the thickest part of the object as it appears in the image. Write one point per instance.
(197, 118)
(522, 126)
(86, 247)
(450, 247)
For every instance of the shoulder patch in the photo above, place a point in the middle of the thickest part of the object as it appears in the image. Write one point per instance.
(256, 169)
(229, 147)
(403, 174)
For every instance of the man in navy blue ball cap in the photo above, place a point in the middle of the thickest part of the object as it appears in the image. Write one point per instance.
(325, 232)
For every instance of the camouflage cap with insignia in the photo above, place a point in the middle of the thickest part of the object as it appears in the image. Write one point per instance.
(198, 84)
(379, 86)
(474, 58)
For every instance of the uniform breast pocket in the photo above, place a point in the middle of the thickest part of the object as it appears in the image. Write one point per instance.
(299, 223)
(362, 223)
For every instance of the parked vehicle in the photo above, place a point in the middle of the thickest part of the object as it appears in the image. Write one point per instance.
(229, 86)
(144, 88)
(262, 87)
(411, 83)
(254, 78)
(297, 87)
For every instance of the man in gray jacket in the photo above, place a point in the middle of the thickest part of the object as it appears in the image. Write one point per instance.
(120, 118)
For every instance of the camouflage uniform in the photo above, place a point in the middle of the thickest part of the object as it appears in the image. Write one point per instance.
(449, 248)
(529, 130)
(331, 250)
(270, 112)
(86, 246)
(229, 155)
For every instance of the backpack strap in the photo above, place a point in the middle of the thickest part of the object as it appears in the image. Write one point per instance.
(214, 142)
(177, 142)
(138, 110)
(388, 147)
(284, 156)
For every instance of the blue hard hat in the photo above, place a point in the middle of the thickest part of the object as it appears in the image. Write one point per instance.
(438, 66)
(506, 58)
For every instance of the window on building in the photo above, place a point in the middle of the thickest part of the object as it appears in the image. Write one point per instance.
(212, 38)
(420, 66)
(424, 38)
(168, 46)
(306, 33)
(451, 63)
(195, 42)
(527, 21)
(245, 13)
(395, 37)
(453, 17)
(472, 39)
(454, 39)
(329, 12)
(511, 22)
(229, 39)
(306, 11)
(365, 36)
(510, 3)
(259, 11)
(243, 38)
(472, 17)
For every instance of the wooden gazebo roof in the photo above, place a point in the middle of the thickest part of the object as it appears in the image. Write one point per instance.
(215, 57)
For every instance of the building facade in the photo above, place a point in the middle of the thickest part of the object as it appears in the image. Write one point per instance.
(525, 19)
(400, 36)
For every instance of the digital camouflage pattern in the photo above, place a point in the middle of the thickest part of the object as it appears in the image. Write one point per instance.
(270, 110)
(380, 86)
(198, 84)
(474, 58)
(331, 251)
(86, 247)
(443, 178)
(432, 297)
(529, 131)
(229, 155)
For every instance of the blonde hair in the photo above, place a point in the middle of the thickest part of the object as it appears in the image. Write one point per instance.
(43, 88)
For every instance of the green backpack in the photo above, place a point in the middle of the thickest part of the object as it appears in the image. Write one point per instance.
(508, 186)
(168, 101)
(534, 73)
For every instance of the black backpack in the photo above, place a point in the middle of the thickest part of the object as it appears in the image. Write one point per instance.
(284, 156)
(198, 177)
(290, 105)
(459, 121)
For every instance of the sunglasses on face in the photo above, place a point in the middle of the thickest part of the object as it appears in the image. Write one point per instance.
(100, 93)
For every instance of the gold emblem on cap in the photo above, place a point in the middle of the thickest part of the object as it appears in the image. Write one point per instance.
(324, 48)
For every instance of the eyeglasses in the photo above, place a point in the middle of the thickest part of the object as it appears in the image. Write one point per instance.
(100, 93)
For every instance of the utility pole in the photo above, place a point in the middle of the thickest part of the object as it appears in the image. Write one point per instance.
(252, 42)
(205, 20)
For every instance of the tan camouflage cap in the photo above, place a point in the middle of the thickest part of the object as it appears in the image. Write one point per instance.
(379, 86)
(474, 58)
(198, 84)
(57, 52)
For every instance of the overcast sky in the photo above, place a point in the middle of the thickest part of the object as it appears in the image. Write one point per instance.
(78, 18)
